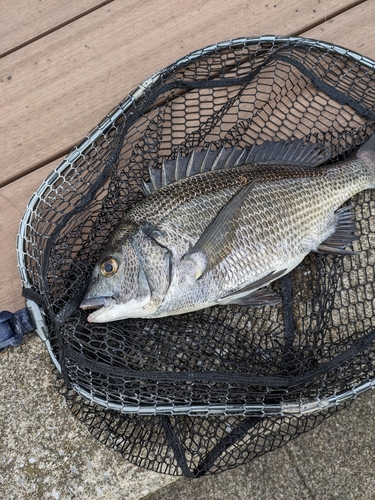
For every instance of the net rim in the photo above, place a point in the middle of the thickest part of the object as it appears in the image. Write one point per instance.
(284, 409)
(296, 408)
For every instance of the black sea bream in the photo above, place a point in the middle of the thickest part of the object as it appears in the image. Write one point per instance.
(218, 227)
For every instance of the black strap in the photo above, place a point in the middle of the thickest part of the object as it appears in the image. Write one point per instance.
(332, 92)
(288, 358)
(176, 445)
(236, 434)
(81, 360)
(36, 297)
(208, 461)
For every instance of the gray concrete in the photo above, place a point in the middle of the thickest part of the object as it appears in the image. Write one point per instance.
(335, 461)
(47, 454)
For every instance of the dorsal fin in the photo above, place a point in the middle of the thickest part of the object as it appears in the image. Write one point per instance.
(168, 175)
(297, 152)
(155, 179)
(181, 165)
(193, 165)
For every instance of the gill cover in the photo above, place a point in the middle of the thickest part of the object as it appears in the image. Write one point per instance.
(118, 280)
(130, 280)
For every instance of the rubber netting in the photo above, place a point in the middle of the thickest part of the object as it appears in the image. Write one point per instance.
(210, 390)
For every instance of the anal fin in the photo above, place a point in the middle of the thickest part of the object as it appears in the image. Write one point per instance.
(343, 236)
(255, 296)
(261, 297)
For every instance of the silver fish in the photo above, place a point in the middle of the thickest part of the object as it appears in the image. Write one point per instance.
(218, 227)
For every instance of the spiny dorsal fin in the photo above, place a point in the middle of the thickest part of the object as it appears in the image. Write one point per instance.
(146, 188)
(193, 164)
(181, 165)
(155, 178)
(296, 152)
(168, 175)
(206, 164)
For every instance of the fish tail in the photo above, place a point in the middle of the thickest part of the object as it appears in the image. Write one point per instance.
(366, 154)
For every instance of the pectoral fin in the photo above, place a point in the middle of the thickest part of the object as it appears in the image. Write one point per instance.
(343, 235)
(216, 243)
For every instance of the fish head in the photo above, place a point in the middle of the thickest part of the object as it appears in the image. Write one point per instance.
(118, 288)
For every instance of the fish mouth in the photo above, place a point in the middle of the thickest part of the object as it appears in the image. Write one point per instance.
(95, 302)
(108, 309)
(98, 304)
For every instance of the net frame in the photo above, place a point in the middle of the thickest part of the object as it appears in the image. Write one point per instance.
(294, 408)
(298, 407)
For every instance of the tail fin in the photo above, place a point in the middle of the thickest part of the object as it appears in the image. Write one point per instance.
(366, 153)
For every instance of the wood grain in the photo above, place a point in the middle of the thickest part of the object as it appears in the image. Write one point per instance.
(57, 88)
(90, 92)
(354, 29)
(13, 201)
(26, 20)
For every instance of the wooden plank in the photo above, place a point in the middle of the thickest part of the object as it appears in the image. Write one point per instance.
(57, 88)
(13, 201)
(14, 197)
(353, 29)
(26, 20)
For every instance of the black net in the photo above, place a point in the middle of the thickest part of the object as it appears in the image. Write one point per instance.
(207, 391)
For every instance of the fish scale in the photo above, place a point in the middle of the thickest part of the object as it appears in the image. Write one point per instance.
(221, 236)
(269, 245)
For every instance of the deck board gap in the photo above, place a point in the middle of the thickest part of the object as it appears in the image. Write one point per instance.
(328, 17)
(60, 154)
(57, 27)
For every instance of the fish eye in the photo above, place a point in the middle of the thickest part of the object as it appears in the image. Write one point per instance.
(109, 267)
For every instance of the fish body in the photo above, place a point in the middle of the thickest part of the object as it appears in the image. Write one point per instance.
(218, 231)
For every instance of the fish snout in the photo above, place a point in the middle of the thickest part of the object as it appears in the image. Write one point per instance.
(95, 302)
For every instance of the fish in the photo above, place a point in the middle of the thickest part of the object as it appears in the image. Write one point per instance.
(217, 227)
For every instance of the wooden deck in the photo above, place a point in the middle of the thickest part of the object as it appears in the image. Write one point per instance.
(64, 65)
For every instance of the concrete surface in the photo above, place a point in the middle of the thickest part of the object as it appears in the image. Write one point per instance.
(335, 461)
(45, 452)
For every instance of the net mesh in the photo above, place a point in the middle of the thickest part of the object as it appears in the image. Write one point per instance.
(207, 391)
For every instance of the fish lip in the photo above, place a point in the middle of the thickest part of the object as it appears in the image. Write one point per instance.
(97, 312)
(95, 302)
(98, 304)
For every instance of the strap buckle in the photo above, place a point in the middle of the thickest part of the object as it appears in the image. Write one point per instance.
(13, 327)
